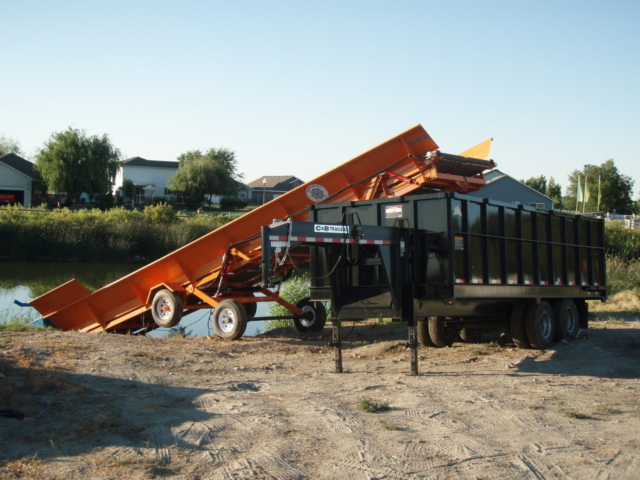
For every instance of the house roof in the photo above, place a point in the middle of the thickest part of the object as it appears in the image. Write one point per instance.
(18, 163)
(143, 162)
(495, 175)
(272, 181)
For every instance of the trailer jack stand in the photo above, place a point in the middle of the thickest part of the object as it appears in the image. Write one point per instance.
(336, 343)
(413, 345)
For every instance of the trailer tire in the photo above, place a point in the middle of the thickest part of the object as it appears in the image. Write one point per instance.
(166, 308)
(250, 308)
(540, 325)
(567, 322)
(229, 319)
(441, 335)
(318, 316)
(424, 338)
(518, 325)
(469, 335)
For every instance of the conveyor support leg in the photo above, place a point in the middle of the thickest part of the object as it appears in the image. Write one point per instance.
(336, 341)
(413, 345)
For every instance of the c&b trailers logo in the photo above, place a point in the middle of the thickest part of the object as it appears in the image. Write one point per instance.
(340, 229)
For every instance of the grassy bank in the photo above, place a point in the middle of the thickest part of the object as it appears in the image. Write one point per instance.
(116, 235)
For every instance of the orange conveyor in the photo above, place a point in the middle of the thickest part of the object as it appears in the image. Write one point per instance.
(198, 270)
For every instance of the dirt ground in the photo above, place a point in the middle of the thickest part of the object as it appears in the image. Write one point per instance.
(105, 406)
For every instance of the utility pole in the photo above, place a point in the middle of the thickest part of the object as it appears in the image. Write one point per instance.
(264, 190)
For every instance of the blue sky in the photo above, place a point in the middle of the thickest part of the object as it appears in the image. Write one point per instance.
(298, 87)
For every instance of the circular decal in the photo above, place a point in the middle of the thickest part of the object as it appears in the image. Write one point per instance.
(317, 193)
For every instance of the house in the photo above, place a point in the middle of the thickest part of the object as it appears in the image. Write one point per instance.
(265, 189)
(17, 178)
(505, 188)
(150, 177)
(244, 194)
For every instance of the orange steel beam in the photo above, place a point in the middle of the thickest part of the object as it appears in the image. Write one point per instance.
(200, 263)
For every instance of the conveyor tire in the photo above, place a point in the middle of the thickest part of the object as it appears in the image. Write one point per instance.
(469, 335)
(518, 327)
(318, 316)
(567, 322)
(540, 324)
(441, 335)
(166, 308)
(229, 319)
(423, 334)
(250, 308)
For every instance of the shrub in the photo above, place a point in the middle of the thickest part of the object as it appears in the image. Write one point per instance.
(227, 203)
(292, 291)
(368, 405)
(621, 241)
(117, 235)
(622, 275)
(160, 213)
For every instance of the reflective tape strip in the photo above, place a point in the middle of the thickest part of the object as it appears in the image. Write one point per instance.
(328, 240)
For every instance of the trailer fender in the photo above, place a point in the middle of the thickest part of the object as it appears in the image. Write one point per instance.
(583, 313)
(172, 287)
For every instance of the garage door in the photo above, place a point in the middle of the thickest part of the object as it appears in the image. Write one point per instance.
(11, 197)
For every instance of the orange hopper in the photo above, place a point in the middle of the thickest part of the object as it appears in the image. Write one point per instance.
(225, 263)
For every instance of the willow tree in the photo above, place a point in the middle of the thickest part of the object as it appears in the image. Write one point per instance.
(202, 177)
(9, 145)
(75, 163)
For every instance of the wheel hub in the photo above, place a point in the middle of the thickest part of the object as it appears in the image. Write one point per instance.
(163, 309)
(309, 316)
(226, 320)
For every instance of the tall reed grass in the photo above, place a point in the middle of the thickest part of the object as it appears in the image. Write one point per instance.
(622, 275)
(116, 235)
(622, 242)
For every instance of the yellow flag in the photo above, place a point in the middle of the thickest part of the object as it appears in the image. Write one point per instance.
(580, 197)
(599, 192)
(586, 190)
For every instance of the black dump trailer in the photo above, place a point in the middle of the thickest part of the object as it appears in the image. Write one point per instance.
(448, 264)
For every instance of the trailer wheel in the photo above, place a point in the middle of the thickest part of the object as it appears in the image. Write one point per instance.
(540, 325)
(424, 338)
(250, 308)
(166, 308)
(518, 327)
(567, 323)
(314, 320)
(229, 320)
(469, 335)
(441, 335)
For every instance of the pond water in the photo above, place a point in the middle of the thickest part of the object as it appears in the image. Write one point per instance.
(24, 281)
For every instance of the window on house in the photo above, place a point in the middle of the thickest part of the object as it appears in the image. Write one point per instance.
(242, 194)
(537, 205)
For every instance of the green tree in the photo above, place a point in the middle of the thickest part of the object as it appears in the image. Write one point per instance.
(73, 162)
(201, 177)
(9, 145)
(537, 183)
(554, 192)
(128, 188)
(615, 187)
(223, 156)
